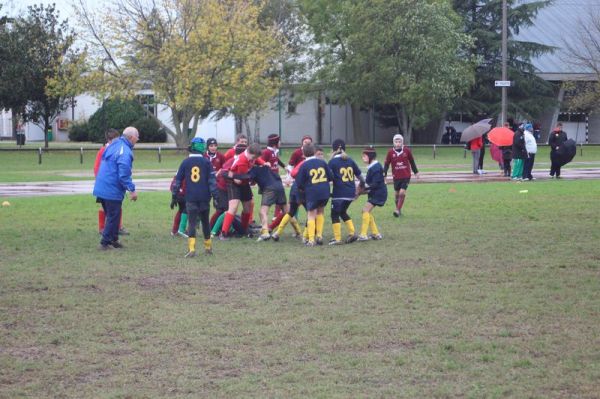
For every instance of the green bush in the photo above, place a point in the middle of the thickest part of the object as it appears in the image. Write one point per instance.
(79, 131)
(150, 131)
(116, 114)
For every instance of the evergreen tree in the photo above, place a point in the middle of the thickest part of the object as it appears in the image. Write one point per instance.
(529, 95)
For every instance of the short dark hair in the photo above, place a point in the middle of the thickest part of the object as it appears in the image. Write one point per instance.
(241, 136)
(254, 149)
(111, 134)
(308, 150)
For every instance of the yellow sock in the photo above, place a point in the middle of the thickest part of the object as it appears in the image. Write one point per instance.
(319, 223)
(264, 232)
(296, 226)
(337, 231)
(350, 227)
(284, 221)
(192, 244)
(208, 244)
(373, 226)
(305, 232)
(366, 220)
(311, 230)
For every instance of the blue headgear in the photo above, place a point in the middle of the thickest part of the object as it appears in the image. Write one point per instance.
(197, 145)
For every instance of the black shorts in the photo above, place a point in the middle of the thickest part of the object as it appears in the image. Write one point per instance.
(221, 202)
(273, 197)
(340, 205)
(196, 206)
(401, 184)
(242, 193)
(312, 205)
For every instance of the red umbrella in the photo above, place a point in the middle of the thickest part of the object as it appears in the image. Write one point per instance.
(501, 136)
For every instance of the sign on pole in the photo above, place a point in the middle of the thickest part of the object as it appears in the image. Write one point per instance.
(502, 83)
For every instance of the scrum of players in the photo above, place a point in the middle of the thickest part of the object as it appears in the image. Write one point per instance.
(227, 179)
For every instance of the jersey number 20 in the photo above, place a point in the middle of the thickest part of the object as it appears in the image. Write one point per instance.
(347, 174)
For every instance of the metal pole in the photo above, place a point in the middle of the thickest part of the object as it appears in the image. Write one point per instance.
(279, 109)
(159, 155)
(81, 155)
(39, 155)
(504, 60)
(434, 151)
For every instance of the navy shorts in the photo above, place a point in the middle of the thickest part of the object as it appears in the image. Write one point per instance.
(401, 184)
(221, 202)
(312, 205)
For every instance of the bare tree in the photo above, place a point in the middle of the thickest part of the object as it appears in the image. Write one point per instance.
(583, 52)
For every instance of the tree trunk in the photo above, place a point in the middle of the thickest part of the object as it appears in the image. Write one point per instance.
(357, 131)
(404, 122)
(319, 133)
(15, 122)
(441, 130)
(247, 124)
(256, 135)
(239, 125)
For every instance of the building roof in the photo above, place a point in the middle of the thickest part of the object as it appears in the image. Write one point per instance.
(554, 25)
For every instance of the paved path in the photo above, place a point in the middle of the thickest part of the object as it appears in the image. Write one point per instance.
(162, 184)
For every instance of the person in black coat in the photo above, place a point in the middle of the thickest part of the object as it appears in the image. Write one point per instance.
(556, 139)
(519, 153)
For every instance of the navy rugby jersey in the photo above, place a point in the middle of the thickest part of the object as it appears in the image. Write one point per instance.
(197, 172)
(344, 170)
(375, 182)
(264, 177)
(313, 178)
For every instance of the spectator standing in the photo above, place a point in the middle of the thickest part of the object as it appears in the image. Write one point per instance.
(475, 145)
(109, 136)
(482, 155)
(556, 139)
(113, 181)
(531, 147)
(519, 154)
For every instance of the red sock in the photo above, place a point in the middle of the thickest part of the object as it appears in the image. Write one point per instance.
(245, 221)
(278, 212)
(251, 212)
(277, 220)
(227, 223)
(214, 218)
(400, 201)
(176, 221)
(101, 219)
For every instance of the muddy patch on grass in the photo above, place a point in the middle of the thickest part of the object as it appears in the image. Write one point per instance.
(164, 280)
(245, 282)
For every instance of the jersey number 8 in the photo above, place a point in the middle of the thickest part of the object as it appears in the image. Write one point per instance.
(195, 174)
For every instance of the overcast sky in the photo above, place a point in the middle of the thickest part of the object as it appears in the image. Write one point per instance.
(13, 7)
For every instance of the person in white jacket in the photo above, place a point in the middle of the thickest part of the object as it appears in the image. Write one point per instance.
(531, 148)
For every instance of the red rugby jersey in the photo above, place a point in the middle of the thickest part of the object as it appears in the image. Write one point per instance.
(216, 160)
(401, 163)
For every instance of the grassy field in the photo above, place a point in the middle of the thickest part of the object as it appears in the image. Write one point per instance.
(57, 165)
(478, 291)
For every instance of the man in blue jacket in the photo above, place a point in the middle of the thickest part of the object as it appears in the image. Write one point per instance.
(113, 180)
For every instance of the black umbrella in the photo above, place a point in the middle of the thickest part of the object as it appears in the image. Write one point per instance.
(565, 153)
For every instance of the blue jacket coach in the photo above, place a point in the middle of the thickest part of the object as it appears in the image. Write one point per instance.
(113, 180)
